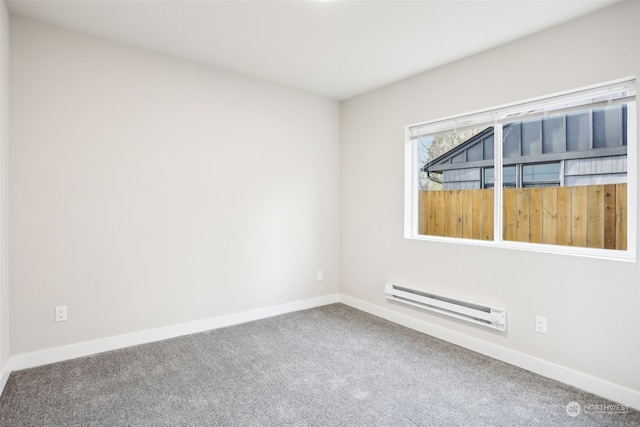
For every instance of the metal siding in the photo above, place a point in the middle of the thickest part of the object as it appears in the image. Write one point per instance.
(511, 143)
(461, 179)
(462, 185)
(460, 158)
(597, 170)
(572, 181)
(474, 152)
(590, 143)
(596, 166)
(531, 138)
(554, 135)
(614, 126)
(579, 131)
(488, 148)
(624, 124)
(470, 174)
(607, 127)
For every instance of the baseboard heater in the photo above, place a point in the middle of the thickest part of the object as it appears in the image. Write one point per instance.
(491, 317)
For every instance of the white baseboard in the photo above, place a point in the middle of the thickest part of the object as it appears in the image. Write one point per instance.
(87, 348)
(605, 389)
(574, 378)
(4, 376)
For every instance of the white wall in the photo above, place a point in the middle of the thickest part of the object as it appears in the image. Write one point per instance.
(147, 191)
(4, 187)
(592, 306)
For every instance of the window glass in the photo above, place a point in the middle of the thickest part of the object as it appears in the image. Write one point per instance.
(488, 178)
(452, 201)
(564, 178)
(541, 174)
(508, 177)
(584, 205)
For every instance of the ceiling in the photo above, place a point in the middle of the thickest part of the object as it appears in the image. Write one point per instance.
(338, 49)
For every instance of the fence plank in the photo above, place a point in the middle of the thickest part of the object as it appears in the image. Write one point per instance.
(487, 214)
(582, 216)
(439, 224)
(563, 224)
(621, 216)
(477, 216)
(509, 215)
(595, 216)
(427, 197)
(467, 214)
(610, 216)
(423, 214)
(522, 214)
(579, 216)
(535, 214)
(549, 215)
(456, 210)
(449, 202)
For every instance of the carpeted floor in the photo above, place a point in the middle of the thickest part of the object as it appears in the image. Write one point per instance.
(328, 366)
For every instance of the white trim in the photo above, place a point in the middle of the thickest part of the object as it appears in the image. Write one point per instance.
(597, 386)
(606, 254)
(4, 376)
(410, 187)
(87, 348)
(618, 89)
(497, 183)
(632, 170)
(608, 390)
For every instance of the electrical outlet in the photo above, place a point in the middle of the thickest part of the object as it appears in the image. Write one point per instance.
(541, 324)
(61, 313)
(320, 275)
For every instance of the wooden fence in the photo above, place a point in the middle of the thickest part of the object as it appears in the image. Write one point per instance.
(593, 216)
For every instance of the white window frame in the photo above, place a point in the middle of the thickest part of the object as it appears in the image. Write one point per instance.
(622, 90)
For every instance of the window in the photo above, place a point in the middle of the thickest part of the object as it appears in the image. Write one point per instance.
(530, 175)
(541, 175)
(554, 174)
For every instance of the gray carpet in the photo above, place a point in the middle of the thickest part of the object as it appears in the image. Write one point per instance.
(328, 366)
